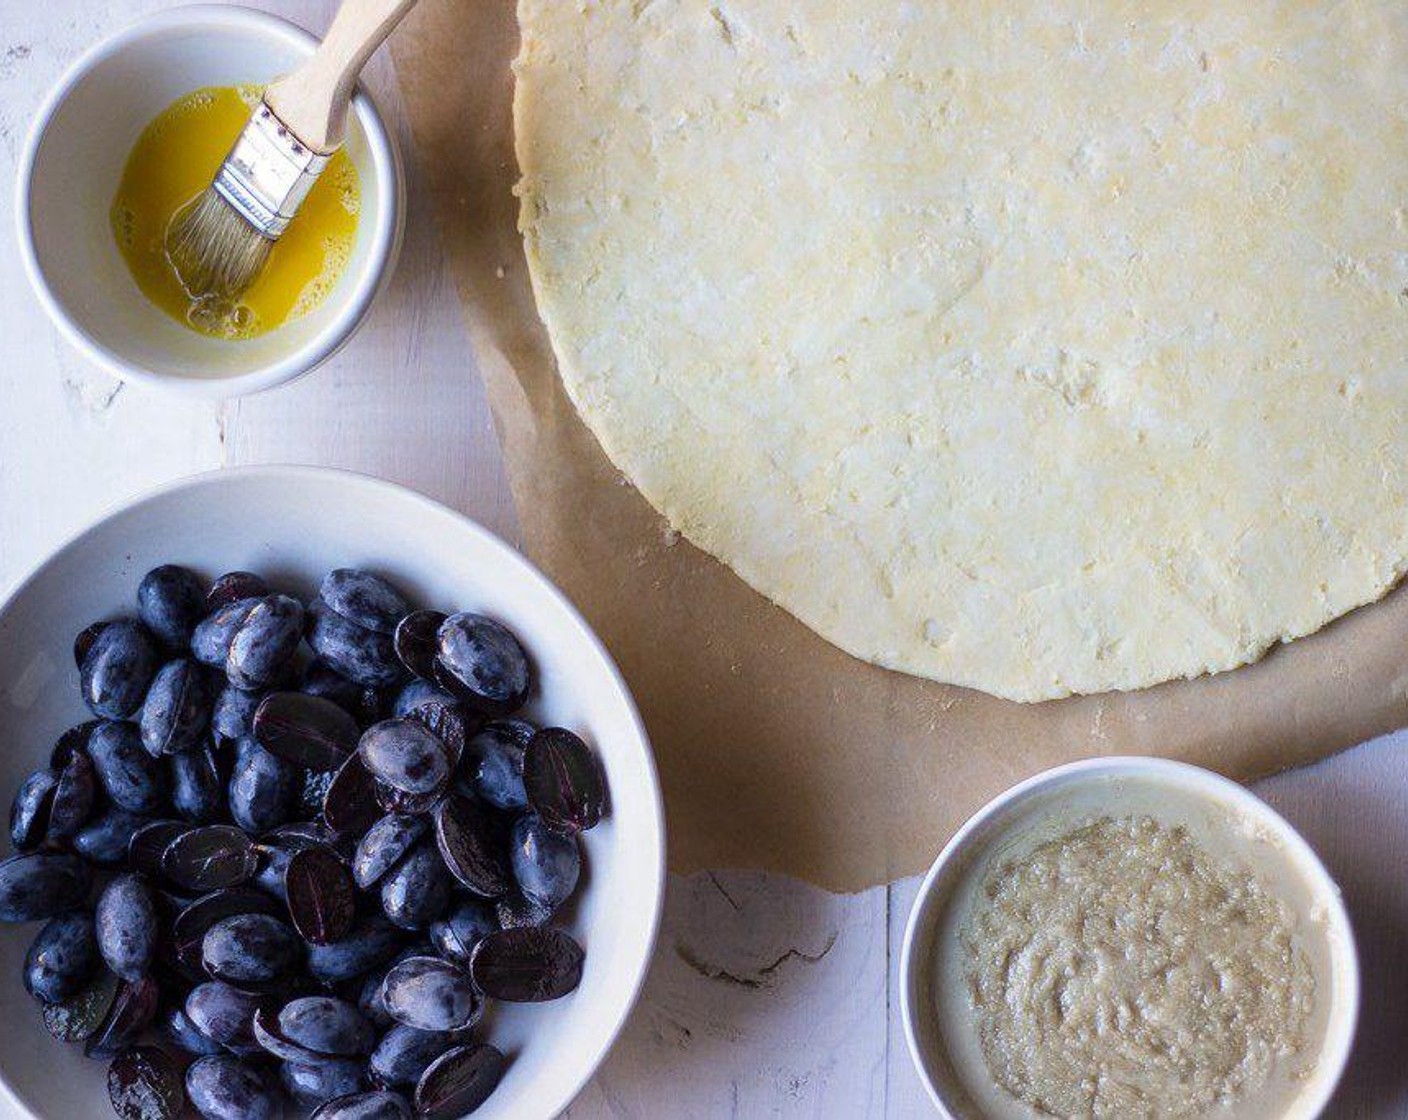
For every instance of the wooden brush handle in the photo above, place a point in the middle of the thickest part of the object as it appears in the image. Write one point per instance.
(312, 101)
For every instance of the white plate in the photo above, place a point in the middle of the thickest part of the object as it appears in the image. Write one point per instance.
(292, 525)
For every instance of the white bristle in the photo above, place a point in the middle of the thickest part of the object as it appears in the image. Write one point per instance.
(214, 250)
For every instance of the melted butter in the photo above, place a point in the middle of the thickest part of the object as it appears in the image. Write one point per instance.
(173, 162)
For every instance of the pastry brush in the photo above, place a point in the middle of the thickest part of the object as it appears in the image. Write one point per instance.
(218, 244)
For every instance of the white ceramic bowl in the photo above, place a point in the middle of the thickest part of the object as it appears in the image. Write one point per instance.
(1174, 790)
(71, 167)
(293, 524)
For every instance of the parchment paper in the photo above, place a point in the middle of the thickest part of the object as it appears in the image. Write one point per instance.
(775, 749)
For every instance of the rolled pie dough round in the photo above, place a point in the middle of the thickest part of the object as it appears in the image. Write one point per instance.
(1042, 348)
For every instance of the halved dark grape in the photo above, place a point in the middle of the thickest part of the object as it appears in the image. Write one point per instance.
(469, 844)
(78, 1018)
(350, 807)
(234, 587)
(224, 1014)
(407, 755)
(117, 666)
(62, 958)
(127, 926)
(133, 1008)
(41, 885)
(193, 923)
(417, 642)
(527, 965)
(271, 1037)
(307, 731)
(546, 863)
(265, 642)
(563, 780)
(177, 709)
(311, 1084)
(449, 723)
(364, 598)
(378, 1105)
(132, 778)
(404, 1053)
(482, 663)
(456, 934)
(383, 846)
(209, 858)
(224, 1088)
(145, 1084)
(74, 798)
(170, 601)
(431, 995)
(459, 1081)
(326, 1025)
(252, 952)
(321, 899)
(372, 942)
(29, 812)
(417, 890)
(149, 844)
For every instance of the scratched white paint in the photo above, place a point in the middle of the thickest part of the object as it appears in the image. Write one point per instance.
(768, 997)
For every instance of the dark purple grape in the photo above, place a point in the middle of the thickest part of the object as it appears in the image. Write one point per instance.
(327, 1026)
(384, 845)
(363, 598)
(369, 996)
(416, 693)
(265, 642)
(350, 807)
(372, 942)
(133, 1009)
(493, 760)
(527, 965)
(417, 642)
(404, 1052)
(313, 1083)
(431, 995)
(459, 1081)
(251, 952)
(306, 731)
(470, 846)
(456, 935)
(29, 812)
(224, 1088)
(234, 587)
(196, 919)
(127, 926)
(74, 797)
(42, 885)
(271, 1037)
(447, 722)
(117, 669)
(563, 780)
(321, 899)
(148, 845)
(177, 709)
(106, 839)
(210, 644)
(170, 601)
(224, 1014)
(353, 651)
(197, 792)
(263, 790)
(128, 774)
(417, 891)
(481, 662)
(83, 643)
(233, 715)
(209, 858)
(379, 1105)
(406, 755)
(78, 1018)
(75, 738)
(361, 702)
(279, 846)
(545, 863)
(62, 958)
(182, 1033)
(144, 1084)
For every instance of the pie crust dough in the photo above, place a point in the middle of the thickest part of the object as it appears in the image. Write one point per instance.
(1041, 348)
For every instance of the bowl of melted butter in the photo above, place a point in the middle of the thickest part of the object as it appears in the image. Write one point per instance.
(1129, 937)
(132, 135)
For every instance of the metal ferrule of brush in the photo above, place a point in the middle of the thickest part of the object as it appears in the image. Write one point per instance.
(268, 173)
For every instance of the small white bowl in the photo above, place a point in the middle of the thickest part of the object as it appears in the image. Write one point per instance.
(293, 524)
(73, 161)
(1159, 787)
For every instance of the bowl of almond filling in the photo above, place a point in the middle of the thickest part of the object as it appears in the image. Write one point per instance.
(1129, 937)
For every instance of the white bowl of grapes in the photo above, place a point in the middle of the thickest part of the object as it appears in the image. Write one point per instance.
(324, 803)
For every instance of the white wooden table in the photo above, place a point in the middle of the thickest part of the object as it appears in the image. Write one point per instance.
(768, 997)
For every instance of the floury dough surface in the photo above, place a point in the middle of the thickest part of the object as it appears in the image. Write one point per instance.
(1121, 970)
(1039, 348)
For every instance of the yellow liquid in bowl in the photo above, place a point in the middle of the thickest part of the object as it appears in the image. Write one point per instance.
(173, 162)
